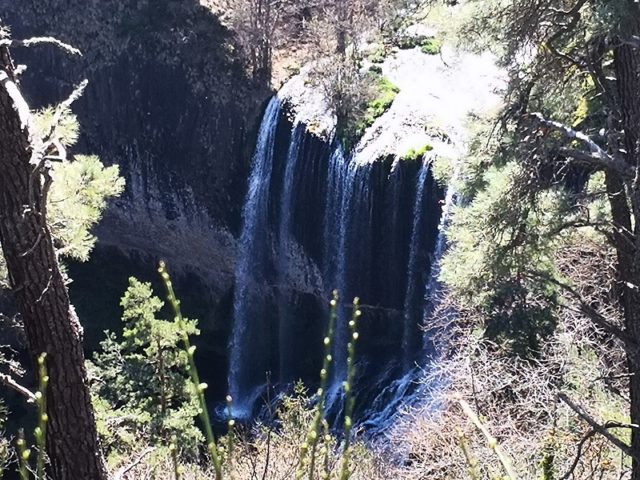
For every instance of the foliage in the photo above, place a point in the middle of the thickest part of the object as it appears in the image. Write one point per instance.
(141, 389)
(267, 449)
(378, 55)
(79, 193)
(417, 154)
(500, 251)
(443, 169)
(78, 199)
(394, 16)
(381, 96)
(431, 46)
(534, 251)
(194, 377)
(516, 399)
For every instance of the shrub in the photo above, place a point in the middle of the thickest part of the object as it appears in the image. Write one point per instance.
(408, 42)
(384, 93)
(378, 55)
(376, 69)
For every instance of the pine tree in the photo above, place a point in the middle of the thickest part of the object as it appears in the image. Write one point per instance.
(562, 164)
(141, 385)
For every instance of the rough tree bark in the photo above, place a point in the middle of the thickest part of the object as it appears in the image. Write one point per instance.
(50, 322)
(625, 206)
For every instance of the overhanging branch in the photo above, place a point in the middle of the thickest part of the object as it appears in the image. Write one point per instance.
(594, 156)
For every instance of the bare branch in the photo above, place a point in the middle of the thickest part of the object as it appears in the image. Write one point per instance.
(601, 429)
(39, 41)
(61, 108)
(120, 474)
(493, 443)
(576, 459)
(595, 156)
(8, 381)
(588, 310)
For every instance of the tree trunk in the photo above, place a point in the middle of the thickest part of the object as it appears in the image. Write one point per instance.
(50, 322)
(626, 205)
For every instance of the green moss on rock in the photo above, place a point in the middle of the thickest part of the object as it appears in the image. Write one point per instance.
(416, 154)
(431, 46)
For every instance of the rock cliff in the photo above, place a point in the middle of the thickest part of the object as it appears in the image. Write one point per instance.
(170, 102)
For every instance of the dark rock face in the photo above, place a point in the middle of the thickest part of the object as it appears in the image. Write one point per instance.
(168, 101)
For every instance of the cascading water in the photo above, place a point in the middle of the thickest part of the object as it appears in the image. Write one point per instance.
(285, 240)
(248, 349)
(414, 298)
(316, 220)
(410, 389)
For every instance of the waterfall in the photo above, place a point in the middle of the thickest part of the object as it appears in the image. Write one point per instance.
(285, 240)
(248, 349)
(409, 390)
(333, 218)
(414, 298)
(353, 211)
(315, 220)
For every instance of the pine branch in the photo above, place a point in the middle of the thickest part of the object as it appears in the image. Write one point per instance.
(60, 110)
